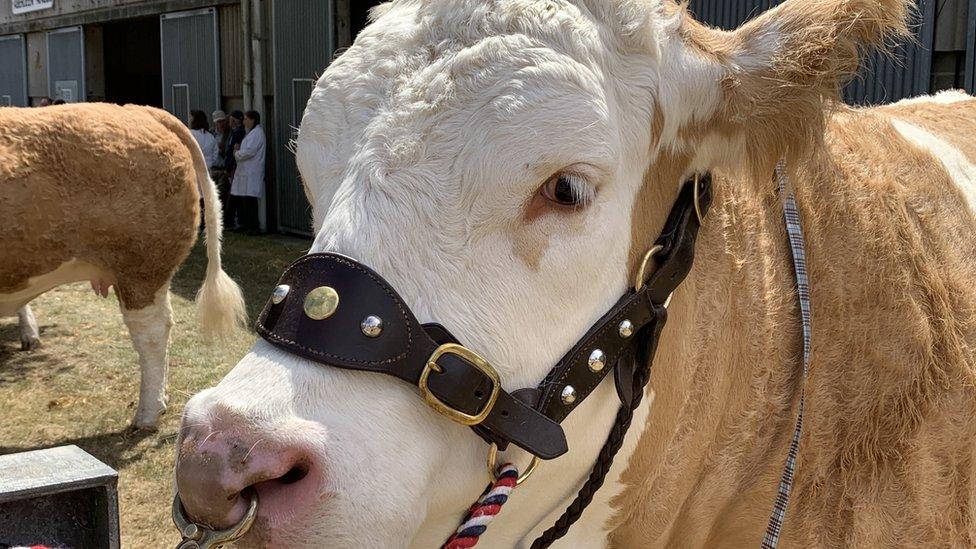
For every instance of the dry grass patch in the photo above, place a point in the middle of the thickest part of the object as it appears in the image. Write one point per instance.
(82, 386)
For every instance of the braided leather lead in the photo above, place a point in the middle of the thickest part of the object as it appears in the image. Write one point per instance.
(598, 475)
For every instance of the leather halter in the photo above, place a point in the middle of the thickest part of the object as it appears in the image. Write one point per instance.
(456, 381)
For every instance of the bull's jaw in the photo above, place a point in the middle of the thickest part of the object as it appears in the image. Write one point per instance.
(536, 505)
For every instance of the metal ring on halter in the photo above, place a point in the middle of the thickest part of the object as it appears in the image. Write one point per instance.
(696, 190)
(493, 466)
(641, 279)
(201, 537)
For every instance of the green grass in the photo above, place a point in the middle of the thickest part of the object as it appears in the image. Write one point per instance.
(82, 386)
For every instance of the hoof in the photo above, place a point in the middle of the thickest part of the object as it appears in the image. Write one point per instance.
(146, 421)
(143, 426)
(30, 343)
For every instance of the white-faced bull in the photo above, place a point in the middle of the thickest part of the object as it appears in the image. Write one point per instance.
(503, 168)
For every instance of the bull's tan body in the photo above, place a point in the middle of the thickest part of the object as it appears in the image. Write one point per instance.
(888, 454)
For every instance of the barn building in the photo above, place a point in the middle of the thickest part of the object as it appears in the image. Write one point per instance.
(180, 55)
(267, 54)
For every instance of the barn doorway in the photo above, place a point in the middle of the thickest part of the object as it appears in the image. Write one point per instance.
(132, 62)
(359, 15)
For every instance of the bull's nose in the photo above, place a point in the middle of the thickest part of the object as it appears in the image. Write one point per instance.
(220, 460)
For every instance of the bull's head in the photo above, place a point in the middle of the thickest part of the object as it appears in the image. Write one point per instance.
(503, 164)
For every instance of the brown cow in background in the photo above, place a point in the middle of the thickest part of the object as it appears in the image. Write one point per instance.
(112, 195)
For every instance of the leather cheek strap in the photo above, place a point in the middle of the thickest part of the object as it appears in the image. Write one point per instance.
(644, 311)
(402, 349)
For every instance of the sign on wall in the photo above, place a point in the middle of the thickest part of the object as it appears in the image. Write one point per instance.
(25, 6)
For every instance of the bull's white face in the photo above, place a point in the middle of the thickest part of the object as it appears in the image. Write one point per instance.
(485, 159)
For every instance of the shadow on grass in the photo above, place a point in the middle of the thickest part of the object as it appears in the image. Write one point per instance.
(114, 449)
(17, 365)
(255, 262)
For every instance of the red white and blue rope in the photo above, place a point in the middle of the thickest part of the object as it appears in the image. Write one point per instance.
(485, 510)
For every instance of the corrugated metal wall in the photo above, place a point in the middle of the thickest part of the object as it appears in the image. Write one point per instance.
(882, 79)
(66, 64)
(191, 75)
(231, 51)
(729, 14)
(13, 71)
(304, 40)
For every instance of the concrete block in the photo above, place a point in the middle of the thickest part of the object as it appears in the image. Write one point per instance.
(58, 497)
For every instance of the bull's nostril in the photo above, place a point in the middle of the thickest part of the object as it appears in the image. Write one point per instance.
(294, 474)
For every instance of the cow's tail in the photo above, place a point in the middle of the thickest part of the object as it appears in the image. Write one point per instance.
(220, 303)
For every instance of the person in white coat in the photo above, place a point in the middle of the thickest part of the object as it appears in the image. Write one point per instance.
(248, 185)
(201, 132)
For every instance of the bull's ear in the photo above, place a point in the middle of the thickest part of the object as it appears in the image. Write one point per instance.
(779, 72)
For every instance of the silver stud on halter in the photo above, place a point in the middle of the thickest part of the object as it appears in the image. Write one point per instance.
(626, 329)
(280, 293)
(597, 361)
(568, 395)
(372, 326)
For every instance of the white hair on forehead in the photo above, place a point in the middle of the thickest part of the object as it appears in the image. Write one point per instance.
(628, 23)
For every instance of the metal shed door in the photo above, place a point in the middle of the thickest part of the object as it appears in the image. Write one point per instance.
(304, 40)
(66, 64)
(191, 73)
(13, 71)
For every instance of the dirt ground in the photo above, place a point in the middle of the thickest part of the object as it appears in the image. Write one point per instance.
(81, 387)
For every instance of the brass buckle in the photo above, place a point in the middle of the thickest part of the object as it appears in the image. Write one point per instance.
(442, 407)
(493, 466)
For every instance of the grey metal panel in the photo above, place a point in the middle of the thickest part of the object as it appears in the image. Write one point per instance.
(303, 43)
(882, 78)
(970, 68)
(231, 51)
(66, 64)
(36, 64)
(13, 71)
(190, 61)
(950, 24)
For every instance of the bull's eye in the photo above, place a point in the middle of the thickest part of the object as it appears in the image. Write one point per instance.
(567, 189)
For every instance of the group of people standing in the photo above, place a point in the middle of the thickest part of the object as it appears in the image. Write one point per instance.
(235, 152)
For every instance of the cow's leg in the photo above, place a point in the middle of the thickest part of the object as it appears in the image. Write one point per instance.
(29, 337)
(149, 328)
